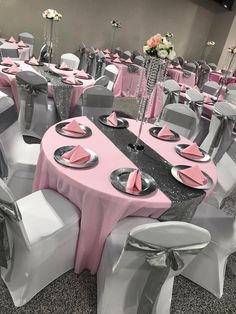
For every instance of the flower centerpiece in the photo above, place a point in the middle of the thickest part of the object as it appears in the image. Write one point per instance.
(52, 16)
(210, 43)
(115, 25)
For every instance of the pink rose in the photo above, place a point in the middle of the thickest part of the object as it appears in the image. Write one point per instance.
(154, 41)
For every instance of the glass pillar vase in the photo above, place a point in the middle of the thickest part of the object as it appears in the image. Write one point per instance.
(155, 73)
(50, 38)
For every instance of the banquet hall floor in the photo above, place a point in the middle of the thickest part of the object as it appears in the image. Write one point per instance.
(76, 294)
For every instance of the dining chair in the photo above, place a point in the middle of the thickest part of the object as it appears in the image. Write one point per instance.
(213, 66)
(231, 86)
(44, 54)
(181, 60)
(220, 131)
(28, 39)
(9, 50)
(230, 95)
(71, 60)
(111, 71)
(140, 259)
(84, 59)
(102, 81)
(203, 74)
(42, 232)
(101, 65)
(126, 54)
(217, 215)
(190, 66)
(37, 113)
(175, 62)
(92, 63)
(96, 100)
(211, 88)
(19, 157)
(139, 60)
(135, 53)
(195, 101)
(179, 118)
(118, 50)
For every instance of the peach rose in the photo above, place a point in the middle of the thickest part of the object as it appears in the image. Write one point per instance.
(154, 41)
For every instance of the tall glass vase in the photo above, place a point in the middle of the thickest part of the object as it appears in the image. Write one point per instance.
(50, 39)
(155, 73)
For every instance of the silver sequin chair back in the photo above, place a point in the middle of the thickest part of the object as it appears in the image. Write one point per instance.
(221, 127)
(136, 273)
(139, 60)
(217, 215)
(36, 113)
(28, 39)
(96, 100)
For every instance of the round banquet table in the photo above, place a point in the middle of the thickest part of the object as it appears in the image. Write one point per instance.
(24, 53)
(178, 76)
(101, 205)
(218, 76)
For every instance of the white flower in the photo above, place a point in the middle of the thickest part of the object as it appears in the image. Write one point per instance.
(162, 54)
(171, 55)
(145, 48)
(52, 14)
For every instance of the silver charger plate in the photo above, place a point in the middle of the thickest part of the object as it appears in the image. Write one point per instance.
(122, 123)
(4, 70)
(63, 79)
(57, 66)
(59, 130)
(119, 179)
(154, 132)
(175, 174)
(88, 164)
(9, 65)
(206, 157)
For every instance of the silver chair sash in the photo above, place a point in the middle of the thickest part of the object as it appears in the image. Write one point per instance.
(170, 96)
(174, 116)
(202, 76)
(4, 243)
(223, 135)
(91, 63)
(161, 260)
(110, 75)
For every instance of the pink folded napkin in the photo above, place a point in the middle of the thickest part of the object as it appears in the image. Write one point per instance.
(170, 66)
(112, 119)
(165, 132)
(21, 44)
(179, 67)
(64, 66)
(128, 61)
(12, 39)
(192, 176)
(183, 88)
(117, 60)
(220, 98)
(134, 182)
(74, 127)
(33, 61)
(106, 50)
(207, 99)
(71, 80)
(116, 55)
(7, 61)
(13, 69)
(107, 55)
(77, 155)
(81, 73)
(192, 150)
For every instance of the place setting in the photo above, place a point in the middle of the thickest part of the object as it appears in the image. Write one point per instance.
(71, 80)
(82, 75)
(73, 129)
(76, 157)
(63, 67)
(113, 121)
(192, 152)
(133, 181)
(8, 62)
(34, 62)
(192, 176)
(164, 134)
(22, 45)
(12, 70)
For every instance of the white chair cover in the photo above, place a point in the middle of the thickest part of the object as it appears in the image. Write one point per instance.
(179, 118)
(111, 71)
(42, 234)
(9, 50)
(211, 88)
(20, 158)
(231, 86)
(218, 217)
(29, 40)
(220, 131)
(35, 115)
(139, 60)
(230, 96)
(71, 60)
(102, 81)
(139, 262)
(127, 54)
(190, 66)
(97, 100)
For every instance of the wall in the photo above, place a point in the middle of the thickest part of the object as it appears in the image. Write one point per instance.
(89, 21)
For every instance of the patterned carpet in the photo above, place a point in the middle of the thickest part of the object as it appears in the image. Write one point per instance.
(76, 294)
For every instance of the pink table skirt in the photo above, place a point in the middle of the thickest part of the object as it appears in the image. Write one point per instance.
(127, 83)
(101, 205)
(216, 76)
(10, 80)
(178, 76)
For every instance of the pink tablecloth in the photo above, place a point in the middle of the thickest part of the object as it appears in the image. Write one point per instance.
(177, 75)
(217, 76)
(101, 205)
(10, 80)
(24, 54)
(127, 83)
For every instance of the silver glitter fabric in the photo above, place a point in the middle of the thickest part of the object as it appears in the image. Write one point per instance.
(61, 92)
(228, 204)
(184, 200)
